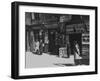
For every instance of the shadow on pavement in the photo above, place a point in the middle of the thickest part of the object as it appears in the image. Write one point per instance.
(60, 64)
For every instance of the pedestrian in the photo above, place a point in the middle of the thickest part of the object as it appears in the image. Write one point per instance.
(46, 42)
(37, 46)
(41, 47)
(68, 50)
(77, 57)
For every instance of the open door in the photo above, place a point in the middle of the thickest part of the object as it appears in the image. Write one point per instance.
(75, 37)
(51, 41)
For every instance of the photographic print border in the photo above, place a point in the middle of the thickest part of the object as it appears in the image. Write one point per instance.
(15, 39)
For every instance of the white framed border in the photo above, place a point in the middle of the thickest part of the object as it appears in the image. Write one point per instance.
(51, 70)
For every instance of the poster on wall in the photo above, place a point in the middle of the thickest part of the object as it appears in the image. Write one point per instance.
(51, 40)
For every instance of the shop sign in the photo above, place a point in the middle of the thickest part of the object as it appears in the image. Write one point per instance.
(85, 38)
(76, 28)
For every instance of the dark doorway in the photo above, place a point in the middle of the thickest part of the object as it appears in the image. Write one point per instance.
(75, 37)
(51, 36)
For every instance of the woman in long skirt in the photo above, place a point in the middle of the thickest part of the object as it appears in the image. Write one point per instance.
(77, 57)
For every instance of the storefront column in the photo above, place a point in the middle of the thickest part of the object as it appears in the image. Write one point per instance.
(27, 41)
(46, 41)
(68, 46)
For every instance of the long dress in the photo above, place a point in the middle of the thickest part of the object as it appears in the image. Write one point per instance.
(77, 52)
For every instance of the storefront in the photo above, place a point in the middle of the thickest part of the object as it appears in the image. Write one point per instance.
(56, 34)
(80, 33)
(46, 33)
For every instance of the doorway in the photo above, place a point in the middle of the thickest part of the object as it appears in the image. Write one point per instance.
(51, 36)
(75, 37)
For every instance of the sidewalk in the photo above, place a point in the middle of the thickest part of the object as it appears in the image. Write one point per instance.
(46, 60)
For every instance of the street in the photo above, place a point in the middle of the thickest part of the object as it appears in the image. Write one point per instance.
(47, 60)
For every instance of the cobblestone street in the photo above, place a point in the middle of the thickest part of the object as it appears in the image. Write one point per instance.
(47, 60)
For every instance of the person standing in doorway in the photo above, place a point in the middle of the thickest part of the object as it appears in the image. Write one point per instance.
(77, 57)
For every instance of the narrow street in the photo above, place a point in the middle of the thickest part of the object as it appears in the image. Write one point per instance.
(47, 60)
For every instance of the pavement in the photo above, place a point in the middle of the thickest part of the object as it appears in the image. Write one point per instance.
(47, 60)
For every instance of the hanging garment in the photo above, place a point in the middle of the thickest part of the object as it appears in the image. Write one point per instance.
(32, 41)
